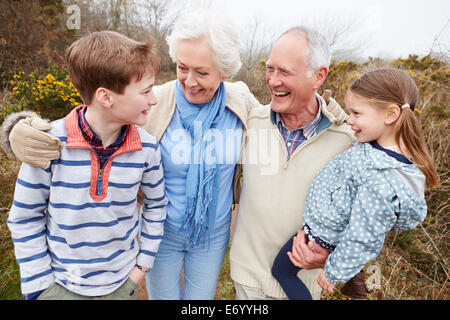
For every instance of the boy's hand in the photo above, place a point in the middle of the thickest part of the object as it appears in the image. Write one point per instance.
(137, 275)
(324, 283)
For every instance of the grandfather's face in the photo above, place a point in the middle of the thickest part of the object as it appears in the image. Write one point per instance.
(286, 75)
(197, 72)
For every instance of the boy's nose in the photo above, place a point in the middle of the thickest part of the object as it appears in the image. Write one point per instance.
(152, 100)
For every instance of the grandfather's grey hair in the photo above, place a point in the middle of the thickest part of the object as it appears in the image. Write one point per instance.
(318, 53)
(217, 30)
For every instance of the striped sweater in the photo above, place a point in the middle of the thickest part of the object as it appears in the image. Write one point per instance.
(77, 225)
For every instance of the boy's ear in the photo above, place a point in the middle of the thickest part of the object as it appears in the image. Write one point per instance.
(392, 114)
(104, 97)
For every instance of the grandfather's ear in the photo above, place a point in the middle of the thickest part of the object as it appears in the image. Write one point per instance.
(321, 75)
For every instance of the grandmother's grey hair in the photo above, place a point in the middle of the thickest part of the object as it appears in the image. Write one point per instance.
(219, 33)
(318, 53)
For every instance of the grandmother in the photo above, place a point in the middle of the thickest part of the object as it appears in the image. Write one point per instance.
(193, 110)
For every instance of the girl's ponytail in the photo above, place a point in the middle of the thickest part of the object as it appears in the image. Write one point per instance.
(385, 87)
(408, 132)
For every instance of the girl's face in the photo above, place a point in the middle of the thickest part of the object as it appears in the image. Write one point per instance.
(367, 122)
(197, 73)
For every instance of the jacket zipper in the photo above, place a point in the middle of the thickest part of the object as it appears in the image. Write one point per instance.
(100, 174)
(99, 182)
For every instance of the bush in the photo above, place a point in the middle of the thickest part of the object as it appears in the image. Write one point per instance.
(50, 94)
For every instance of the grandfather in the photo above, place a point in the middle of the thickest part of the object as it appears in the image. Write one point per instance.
(302, 136)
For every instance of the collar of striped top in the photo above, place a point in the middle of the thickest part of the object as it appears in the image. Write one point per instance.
(129, 139)
(95, 142)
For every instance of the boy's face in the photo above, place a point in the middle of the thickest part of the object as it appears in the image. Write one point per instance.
(132, 106)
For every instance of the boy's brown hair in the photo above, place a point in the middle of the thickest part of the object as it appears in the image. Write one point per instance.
(111, 60)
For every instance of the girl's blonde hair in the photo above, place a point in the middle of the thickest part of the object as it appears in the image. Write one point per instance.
(384, 87)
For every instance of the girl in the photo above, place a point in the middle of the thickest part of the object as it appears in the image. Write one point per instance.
(375, 186)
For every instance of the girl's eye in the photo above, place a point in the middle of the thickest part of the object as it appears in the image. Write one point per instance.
(202, 73)
(182, 68)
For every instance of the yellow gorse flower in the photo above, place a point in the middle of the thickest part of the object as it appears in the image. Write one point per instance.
(51, 92)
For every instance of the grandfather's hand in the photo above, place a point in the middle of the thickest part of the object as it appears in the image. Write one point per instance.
(31, 144)
(307, 256)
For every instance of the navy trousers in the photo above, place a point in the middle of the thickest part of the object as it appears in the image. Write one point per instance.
(286, 273)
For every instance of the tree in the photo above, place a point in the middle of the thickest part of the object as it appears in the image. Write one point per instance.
(29, 36)
(344, 36)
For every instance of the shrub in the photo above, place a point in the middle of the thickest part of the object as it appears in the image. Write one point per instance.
(50, 94)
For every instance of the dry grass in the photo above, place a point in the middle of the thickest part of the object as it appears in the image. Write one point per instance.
(9, 270)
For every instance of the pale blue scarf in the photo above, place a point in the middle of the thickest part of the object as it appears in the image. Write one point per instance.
(202, 181)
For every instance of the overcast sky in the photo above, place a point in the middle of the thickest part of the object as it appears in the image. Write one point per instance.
(394, 28)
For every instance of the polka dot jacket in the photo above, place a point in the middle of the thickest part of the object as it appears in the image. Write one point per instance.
(357, 198)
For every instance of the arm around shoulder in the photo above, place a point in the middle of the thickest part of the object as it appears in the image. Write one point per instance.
(23, 134)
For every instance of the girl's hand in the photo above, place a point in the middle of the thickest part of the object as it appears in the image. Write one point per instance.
(324, 283)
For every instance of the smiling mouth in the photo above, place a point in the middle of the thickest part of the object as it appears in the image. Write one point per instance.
(194, 92)
(281, 93)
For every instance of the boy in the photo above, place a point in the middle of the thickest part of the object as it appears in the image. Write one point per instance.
(74, 225)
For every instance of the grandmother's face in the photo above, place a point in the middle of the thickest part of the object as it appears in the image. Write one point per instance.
(197, 72)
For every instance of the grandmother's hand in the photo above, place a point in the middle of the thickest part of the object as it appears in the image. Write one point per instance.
(307, 256)
(334, 108)
(31, 144)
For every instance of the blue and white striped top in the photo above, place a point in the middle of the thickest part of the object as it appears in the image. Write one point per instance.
(88, 245)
